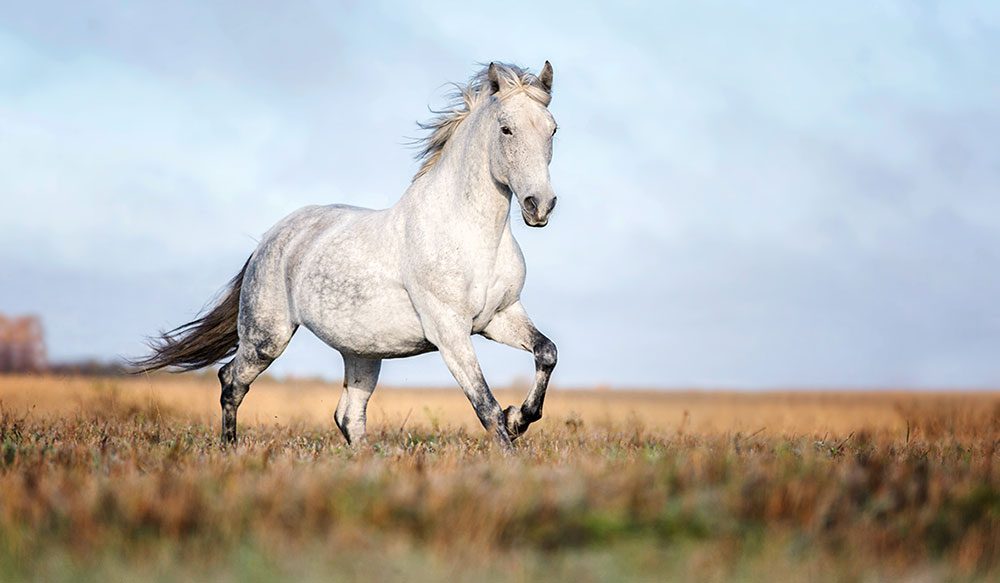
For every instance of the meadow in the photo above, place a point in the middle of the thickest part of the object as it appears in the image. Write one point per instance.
(117, 479)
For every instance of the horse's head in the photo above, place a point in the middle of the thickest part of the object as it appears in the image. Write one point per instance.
(521, 145)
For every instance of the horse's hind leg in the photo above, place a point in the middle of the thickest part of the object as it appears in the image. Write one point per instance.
(257, 350)
(360, 378)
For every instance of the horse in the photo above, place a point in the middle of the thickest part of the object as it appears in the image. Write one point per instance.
(424, 275)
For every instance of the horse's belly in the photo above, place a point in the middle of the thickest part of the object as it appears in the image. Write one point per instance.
(372, 327)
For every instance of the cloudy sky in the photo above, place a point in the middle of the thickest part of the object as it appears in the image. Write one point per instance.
(749, 196)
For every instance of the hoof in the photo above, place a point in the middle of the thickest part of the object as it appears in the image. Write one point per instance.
(515, 421)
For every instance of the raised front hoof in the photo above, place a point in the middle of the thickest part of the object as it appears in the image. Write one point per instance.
(517, 423)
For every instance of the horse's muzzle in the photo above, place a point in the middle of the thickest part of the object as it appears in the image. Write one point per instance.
(536, 212)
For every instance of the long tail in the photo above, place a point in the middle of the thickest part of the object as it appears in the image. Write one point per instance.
(200, 343)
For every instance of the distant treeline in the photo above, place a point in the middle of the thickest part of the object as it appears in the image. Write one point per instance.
(90, 368)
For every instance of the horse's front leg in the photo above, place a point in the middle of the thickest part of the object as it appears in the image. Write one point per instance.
(513, 327)
(451, 336)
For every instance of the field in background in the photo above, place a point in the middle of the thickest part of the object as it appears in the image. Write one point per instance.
(122, 478)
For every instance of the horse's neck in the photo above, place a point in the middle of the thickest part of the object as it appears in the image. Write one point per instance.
(461, 193)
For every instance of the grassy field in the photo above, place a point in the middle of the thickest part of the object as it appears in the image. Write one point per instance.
(124, 478)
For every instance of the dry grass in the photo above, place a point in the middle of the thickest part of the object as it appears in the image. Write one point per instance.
(123, 479)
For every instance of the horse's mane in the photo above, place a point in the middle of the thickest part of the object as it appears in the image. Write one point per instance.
(465, 99)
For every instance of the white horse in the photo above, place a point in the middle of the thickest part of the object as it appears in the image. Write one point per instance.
(425, 274)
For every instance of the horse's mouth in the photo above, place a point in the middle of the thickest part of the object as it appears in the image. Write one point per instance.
(532, 222)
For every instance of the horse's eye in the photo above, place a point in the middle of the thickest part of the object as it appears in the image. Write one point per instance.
(506, 130)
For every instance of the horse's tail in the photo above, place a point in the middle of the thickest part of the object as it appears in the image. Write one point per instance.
(201, 342)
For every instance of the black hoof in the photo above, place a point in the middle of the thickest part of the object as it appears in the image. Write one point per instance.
(515, 422)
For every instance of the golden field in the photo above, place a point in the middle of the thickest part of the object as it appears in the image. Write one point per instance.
(124, 478)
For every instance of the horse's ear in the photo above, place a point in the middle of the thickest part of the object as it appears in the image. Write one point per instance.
(493, 76)
(546, 76)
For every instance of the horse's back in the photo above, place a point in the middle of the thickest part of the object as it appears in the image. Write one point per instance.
(282, 251)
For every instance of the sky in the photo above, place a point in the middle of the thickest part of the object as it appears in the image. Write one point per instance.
(750, 195)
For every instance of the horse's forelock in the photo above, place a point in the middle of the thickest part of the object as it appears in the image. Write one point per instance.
(467, 98)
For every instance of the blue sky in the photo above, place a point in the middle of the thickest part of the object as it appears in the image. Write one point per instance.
(750, 195)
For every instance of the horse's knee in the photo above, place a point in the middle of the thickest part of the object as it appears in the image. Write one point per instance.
(546, 354)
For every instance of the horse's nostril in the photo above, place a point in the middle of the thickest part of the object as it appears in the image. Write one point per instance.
(530, 204)
(552, 206)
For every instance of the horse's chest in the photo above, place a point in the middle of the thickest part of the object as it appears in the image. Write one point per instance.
(491, 293)
(470, 275)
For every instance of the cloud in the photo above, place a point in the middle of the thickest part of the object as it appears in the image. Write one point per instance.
(748, 196)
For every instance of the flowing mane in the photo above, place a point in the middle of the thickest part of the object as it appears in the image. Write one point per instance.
(465, 99)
